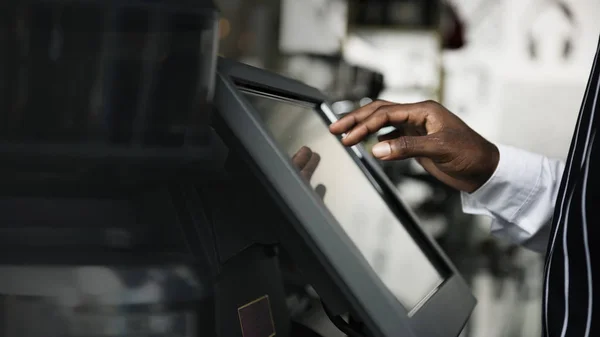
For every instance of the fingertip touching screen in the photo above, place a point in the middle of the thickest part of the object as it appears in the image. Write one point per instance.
(350, 196)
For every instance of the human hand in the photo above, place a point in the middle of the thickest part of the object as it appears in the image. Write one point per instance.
(306, 161)
(440, 141)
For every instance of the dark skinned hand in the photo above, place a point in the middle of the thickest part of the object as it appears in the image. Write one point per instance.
(307, 161)
(440, 141)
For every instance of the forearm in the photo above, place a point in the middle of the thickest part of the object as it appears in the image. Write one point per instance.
(519, 197)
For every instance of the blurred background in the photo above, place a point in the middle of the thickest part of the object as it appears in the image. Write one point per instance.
(514, 70)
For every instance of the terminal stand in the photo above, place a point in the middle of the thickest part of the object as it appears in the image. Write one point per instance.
(265, 235)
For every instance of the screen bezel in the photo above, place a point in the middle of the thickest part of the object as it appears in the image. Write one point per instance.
(369, 297)
(398, 209)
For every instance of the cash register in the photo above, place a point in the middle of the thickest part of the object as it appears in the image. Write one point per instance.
(351, 236)
(151, 189)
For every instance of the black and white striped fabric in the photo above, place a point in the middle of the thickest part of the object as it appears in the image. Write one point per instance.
(571, 306)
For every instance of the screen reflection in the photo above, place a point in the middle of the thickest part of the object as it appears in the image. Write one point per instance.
(350, 197)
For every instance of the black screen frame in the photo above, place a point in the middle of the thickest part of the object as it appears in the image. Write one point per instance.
(443, 313)
(386, 192)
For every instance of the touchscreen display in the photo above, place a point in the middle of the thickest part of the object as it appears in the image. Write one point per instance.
(350, 196)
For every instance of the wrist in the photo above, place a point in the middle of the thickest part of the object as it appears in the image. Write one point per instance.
(488, 163)
(492, 161)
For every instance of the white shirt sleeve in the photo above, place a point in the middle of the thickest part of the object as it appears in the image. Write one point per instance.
(519, 197)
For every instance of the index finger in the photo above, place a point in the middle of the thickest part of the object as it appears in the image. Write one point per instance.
(350, 120)
(397, 114)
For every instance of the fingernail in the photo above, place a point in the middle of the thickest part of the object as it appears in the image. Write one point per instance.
(382, 150)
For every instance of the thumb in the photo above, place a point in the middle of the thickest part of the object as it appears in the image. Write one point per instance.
(406, 147)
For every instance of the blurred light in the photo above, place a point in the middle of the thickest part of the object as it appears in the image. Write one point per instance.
(342, 107)
(246, 40)
(224, 28)
(364, 101)
(385, 130)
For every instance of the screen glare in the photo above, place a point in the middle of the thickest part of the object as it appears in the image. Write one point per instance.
(351, 198)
